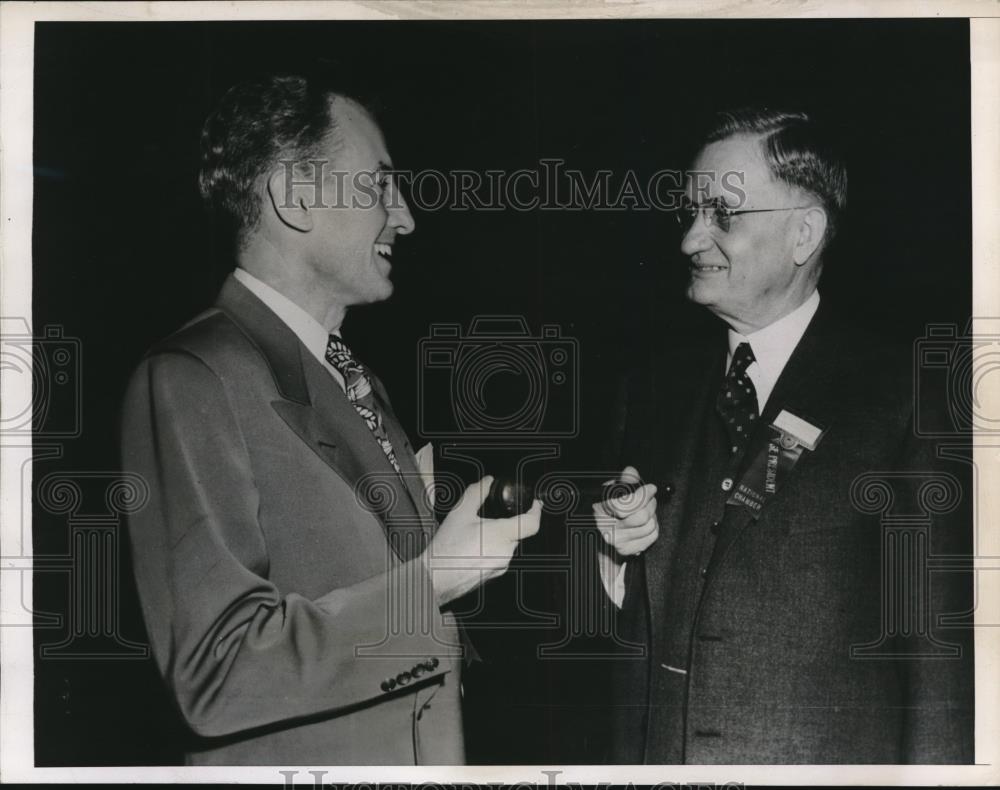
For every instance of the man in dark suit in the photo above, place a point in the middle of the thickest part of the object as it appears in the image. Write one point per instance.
(292, 576)
(775, 630)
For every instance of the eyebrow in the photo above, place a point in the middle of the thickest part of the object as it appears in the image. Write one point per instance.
(714, 200)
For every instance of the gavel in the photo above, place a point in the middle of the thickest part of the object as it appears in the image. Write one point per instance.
(508, 497)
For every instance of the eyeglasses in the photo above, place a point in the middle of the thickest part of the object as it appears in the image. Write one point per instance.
(717, 214)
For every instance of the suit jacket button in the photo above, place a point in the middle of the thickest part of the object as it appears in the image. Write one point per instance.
(716, 526)
(704, 573)
(388, 684)
(667, 489)
(403, 678)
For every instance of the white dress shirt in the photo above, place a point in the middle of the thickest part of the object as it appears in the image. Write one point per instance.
(772, 347)
(312, 334)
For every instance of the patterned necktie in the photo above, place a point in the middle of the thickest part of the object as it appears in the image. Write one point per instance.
(359, 393)
(737, 401)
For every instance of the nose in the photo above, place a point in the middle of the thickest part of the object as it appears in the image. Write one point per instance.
(400, 218)
(698, 237)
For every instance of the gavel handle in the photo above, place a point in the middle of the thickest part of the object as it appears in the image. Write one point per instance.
(507, 497)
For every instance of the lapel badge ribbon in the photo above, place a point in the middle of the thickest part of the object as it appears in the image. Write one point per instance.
(790, 436)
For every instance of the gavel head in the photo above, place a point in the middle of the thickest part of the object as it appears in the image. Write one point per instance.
(507, 498)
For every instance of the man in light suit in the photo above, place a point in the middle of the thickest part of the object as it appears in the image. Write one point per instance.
(292, 576)
(763, 588)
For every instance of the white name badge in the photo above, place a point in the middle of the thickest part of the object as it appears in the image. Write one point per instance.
(790, 435)
(805, 433)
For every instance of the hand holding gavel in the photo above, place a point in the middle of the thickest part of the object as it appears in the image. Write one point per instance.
(624, 509)
(509, 497)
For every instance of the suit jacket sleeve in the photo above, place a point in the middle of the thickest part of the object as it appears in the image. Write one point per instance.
(237, 652)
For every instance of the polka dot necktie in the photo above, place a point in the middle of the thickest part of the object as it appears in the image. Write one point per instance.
(359, 392)
(737, 402)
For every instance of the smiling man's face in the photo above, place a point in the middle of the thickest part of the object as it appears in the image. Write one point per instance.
(353, 238)
(746, 275)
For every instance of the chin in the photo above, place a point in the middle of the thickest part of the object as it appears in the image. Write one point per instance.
(383, 292)
(698, 293)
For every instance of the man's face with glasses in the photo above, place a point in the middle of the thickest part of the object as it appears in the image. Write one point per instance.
(741, 252)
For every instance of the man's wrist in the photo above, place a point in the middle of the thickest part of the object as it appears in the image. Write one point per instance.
(610, 553)
(447, 584)
(440, 595)
(611, 569)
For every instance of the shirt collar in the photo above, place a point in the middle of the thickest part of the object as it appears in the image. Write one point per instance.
(773, 345)
(312, 334)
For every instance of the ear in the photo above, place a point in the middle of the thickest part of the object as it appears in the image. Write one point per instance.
(288, 201)
(811, 231)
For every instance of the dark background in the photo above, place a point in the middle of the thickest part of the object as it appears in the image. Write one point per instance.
(123, 254)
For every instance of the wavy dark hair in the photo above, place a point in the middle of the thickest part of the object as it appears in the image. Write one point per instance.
(256, 124)
(798, 151)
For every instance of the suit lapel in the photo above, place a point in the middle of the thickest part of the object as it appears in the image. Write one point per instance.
(318, 411)
(807, 388)
(389, 494)
(405, 457)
